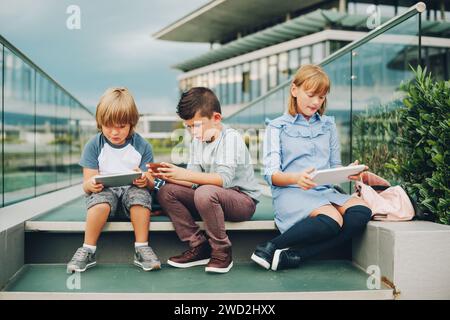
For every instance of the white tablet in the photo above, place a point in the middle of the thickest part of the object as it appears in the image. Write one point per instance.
(336, 175)
(117, 180)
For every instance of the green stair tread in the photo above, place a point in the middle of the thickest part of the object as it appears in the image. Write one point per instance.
(313, 276)
(75, 210)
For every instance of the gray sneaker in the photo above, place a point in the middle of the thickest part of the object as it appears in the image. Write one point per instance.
(145, 258)
(81, 260)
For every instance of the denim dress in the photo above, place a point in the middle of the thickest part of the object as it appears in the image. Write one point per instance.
(292, 144)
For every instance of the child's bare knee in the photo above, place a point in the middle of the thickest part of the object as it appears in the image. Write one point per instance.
(329, 211)
(139, 208)
(100, 208)
(336, 216)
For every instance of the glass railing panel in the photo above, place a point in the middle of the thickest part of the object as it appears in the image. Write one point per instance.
(258, 115)
(76, 143)
(274, 104)
(339, 104)
(62, 140)
(19, 129)
(379, 68)
(339, 101)
(46, 132)
(43, 131)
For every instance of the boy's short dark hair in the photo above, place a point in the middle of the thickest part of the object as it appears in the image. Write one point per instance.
(198, 99)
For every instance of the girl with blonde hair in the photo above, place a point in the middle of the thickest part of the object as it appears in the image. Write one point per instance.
(316, 217)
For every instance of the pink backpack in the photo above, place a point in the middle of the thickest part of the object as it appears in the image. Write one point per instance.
(387, 203)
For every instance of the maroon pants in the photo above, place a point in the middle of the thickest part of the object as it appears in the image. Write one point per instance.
(213, 204)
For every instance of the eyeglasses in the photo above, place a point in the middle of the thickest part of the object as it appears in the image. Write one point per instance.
(197, 124)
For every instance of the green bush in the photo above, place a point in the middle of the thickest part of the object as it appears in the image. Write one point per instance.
(424, 137)
(374, 134)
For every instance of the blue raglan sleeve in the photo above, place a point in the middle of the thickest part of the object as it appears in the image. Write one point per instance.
(147, 155)
(89, 156)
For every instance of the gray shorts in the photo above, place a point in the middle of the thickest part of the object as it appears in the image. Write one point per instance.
(120, 199)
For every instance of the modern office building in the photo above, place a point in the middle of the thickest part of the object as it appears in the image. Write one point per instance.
(254, 49)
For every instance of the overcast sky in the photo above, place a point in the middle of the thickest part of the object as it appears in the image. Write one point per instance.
(114, 46)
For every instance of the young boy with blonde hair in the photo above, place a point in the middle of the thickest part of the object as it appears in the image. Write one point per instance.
(116, 149)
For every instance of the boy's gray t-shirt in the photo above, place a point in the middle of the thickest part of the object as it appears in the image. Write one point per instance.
(229, 157)
(100, 154)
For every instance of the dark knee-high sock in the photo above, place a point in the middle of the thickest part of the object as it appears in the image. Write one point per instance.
(355, 221)
(309, 230)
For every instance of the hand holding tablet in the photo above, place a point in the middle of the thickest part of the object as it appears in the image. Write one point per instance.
(336, 175)
(117, 180)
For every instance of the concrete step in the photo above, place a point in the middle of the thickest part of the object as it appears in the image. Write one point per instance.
(71, 217)
(54, 236)
(314, 280)
(118, 247)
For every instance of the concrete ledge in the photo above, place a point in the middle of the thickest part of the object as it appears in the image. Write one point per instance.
(412, 256)
(71, 226)
(15, 214)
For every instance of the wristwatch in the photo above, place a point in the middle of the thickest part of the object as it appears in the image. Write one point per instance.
(158, 184)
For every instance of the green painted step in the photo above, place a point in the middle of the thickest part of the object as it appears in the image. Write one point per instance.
(75, 211)
(338, 279)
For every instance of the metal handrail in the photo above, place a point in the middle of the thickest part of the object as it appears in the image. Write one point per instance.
(415, 9)
(22, 56)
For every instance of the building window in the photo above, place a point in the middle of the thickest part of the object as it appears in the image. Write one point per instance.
(231, 86)
(283, 71)
(223, 87)
(318, 52)
(217, 83)
(246, 94)
(305, 55)
(246, 82)
(273, 72)
(335, 45)
(211, 83)
(254, 79)
(238, 82)
(263, 68)
(293, 61)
